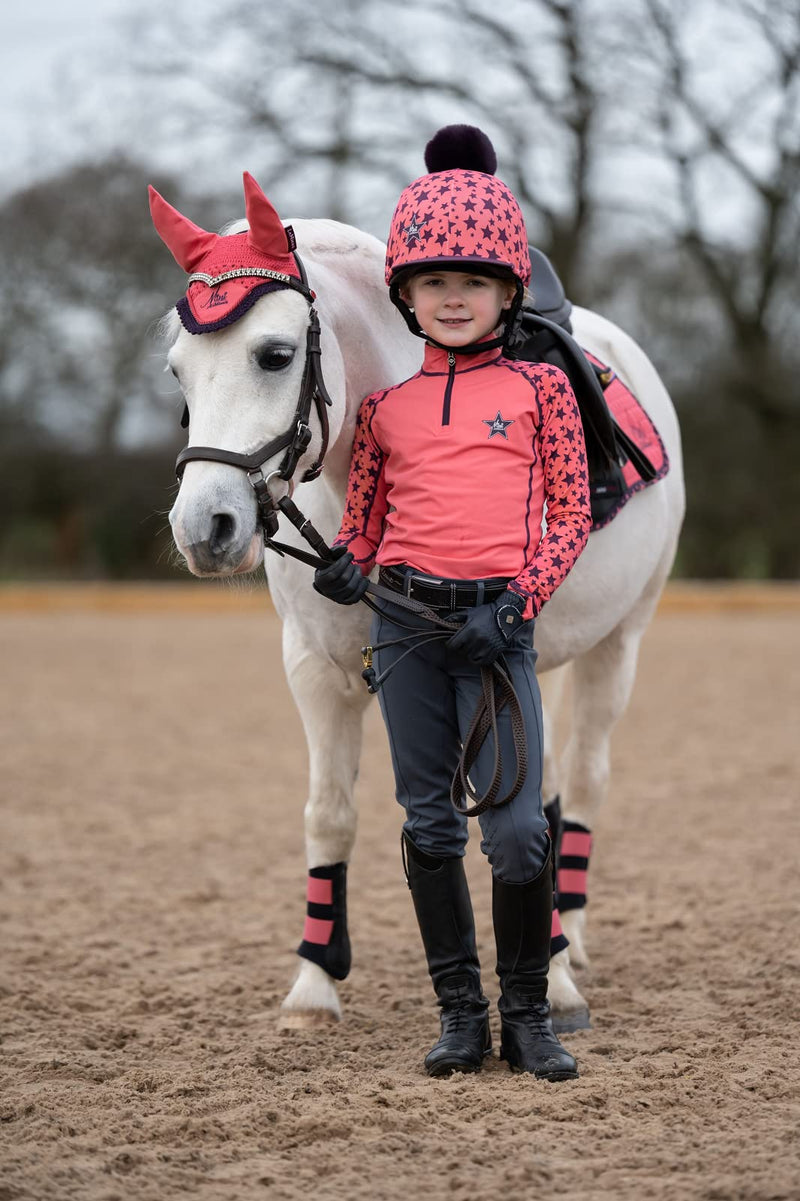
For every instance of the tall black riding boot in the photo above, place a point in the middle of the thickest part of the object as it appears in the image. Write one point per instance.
(444, 912)
(522, 917)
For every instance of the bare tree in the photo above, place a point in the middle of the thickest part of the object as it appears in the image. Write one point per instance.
(754, 278)
(525, 73)
(742, 144)
(84, 281)
(654, 144)
(339, 108)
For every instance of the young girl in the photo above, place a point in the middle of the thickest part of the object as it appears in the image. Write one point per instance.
(450, 474)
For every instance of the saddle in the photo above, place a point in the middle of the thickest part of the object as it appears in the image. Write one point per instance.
(544, 335)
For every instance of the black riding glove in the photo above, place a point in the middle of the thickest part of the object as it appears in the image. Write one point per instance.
(341, 580)
(488, 629)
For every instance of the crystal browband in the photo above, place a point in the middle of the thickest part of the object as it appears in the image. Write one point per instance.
(241, 273)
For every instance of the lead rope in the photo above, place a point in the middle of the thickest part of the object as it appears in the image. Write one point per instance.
(497, 688)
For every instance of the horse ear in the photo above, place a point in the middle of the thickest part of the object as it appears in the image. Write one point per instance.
(188, 243)
(266, 232)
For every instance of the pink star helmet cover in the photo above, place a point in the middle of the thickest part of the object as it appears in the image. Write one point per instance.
(228, 273)
(460, 214)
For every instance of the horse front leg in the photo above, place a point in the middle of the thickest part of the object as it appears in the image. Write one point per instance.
(331, 703)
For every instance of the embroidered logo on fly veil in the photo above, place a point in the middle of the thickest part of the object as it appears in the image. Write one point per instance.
(216, 299)
(498, 425)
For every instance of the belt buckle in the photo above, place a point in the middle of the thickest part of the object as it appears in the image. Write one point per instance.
(422, 579)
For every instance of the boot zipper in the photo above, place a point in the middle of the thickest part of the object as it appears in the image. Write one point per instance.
(448, 392)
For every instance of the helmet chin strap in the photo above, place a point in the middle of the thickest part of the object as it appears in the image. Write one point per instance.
(509, 323)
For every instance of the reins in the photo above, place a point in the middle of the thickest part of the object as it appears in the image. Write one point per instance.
(497, 688)
(497, 691)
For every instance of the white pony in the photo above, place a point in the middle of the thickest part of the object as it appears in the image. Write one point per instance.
(592, 626)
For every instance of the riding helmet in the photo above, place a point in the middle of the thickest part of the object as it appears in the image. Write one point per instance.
(460, 217)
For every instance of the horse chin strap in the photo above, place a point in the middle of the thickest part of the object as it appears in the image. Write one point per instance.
(295, 440)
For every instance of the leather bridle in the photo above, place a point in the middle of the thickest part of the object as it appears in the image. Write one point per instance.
(294, 440)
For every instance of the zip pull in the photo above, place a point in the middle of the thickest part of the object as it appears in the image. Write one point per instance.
(448, 392)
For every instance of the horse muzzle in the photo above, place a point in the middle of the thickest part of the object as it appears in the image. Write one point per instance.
(217, 543)
(213, 558)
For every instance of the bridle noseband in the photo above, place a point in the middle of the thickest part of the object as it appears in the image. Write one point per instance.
(295, 440)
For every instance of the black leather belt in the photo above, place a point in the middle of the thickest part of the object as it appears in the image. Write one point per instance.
(442, 594)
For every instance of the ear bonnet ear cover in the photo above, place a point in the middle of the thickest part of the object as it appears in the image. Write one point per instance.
(234, 270)
(460, 215)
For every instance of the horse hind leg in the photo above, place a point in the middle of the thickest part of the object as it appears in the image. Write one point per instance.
(569, 1008)
(331, 705)
(602, 682)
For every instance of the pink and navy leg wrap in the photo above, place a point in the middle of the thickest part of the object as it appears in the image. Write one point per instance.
(558, 939)
(325, 939)
(573, 865)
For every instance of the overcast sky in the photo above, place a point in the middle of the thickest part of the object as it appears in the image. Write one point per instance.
(37, 39)
(65, 92)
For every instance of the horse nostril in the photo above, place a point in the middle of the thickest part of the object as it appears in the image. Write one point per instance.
(223, 532)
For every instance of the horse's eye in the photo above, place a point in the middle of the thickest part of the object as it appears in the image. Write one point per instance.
(274, 358)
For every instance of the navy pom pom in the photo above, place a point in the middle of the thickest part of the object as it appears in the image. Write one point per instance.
(460, 147)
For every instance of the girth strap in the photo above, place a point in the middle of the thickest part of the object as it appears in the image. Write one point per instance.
(636, 455)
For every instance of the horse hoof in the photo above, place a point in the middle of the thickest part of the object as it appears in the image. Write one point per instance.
(307, 1019)
(566, 1023)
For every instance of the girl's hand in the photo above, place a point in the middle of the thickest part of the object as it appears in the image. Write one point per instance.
(341, 580)
(488, 629)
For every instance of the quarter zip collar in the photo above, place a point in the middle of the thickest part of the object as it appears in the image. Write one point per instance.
(438, 362)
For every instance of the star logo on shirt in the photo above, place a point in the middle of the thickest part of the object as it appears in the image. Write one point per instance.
(498, 425)
(412, 230)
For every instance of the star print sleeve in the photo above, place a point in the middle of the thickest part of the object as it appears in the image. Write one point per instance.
(366, 504)
(568, 514)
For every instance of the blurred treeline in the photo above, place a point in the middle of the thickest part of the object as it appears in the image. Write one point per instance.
(654, 145)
